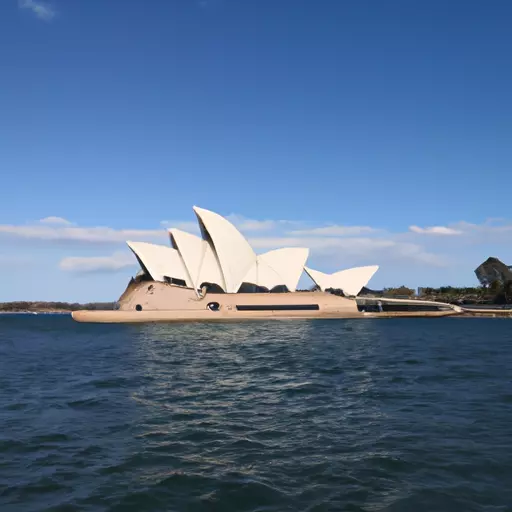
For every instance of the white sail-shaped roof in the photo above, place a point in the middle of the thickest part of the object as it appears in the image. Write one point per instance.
(224, 257)
(198, 257)
(234, 254)
(287, 263)
(160, 261)
(210, 270)
(278, 267)
(262, 274)
(351, 281)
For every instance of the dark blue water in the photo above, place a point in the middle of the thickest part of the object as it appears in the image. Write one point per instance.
(362, 415)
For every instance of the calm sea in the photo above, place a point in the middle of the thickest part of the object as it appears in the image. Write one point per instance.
(354, 415)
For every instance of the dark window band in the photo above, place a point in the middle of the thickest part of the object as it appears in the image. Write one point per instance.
(174, 280)
(374, 308)
(278, 307)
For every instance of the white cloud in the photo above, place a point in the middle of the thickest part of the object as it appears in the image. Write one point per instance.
(408, 256)
(190, 226)
(248, 225)
(332, 245)
(245, 224)
(490, 226)
(435, 230)
(91, 264)
(59, 221)
(242, 223)
(40, 9)
(95, 235)
(490, 231)
(334, 230)
(363, 249)
(343, 252)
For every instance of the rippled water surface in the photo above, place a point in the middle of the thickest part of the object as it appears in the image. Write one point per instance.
(355, 415)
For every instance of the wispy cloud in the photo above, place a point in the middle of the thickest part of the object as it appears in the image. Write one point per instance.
(57, 221)
(248, 225)
(340, 251)
(242, 223)
(94, 235)
(489, 226)
(489, 231)
(436, 230)
(245, 224)
(190, 226)
(95, 264)
(334, 230)
(357, 250)
(40, 9)
(332, 245)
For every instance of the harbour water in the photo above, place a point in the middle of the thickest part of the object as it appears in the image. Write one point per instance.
(321, 415)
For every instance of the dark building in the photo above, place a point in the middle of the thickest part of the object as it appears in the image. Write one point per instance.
(492, 269)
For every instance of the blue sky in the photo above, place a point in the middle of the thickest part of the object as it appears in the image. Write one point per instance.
(370, 131)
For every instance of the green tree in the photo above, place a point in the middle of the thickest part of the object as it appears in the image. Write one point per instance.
(507, 291)
(400, 291)
(495, 287)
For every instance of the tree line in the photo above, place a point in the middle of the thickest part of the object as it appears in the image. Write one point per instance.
(496, 293)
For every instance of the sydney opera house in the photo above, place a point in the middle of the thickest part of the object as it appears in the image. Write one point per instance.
(219, 276)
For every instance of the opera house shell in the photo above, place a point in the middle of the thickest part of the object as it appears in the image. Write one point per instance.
(218, 276)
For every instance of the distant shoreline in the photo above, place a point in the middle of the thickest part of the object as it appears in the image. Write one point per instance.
(38, 312)
(52, 306)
